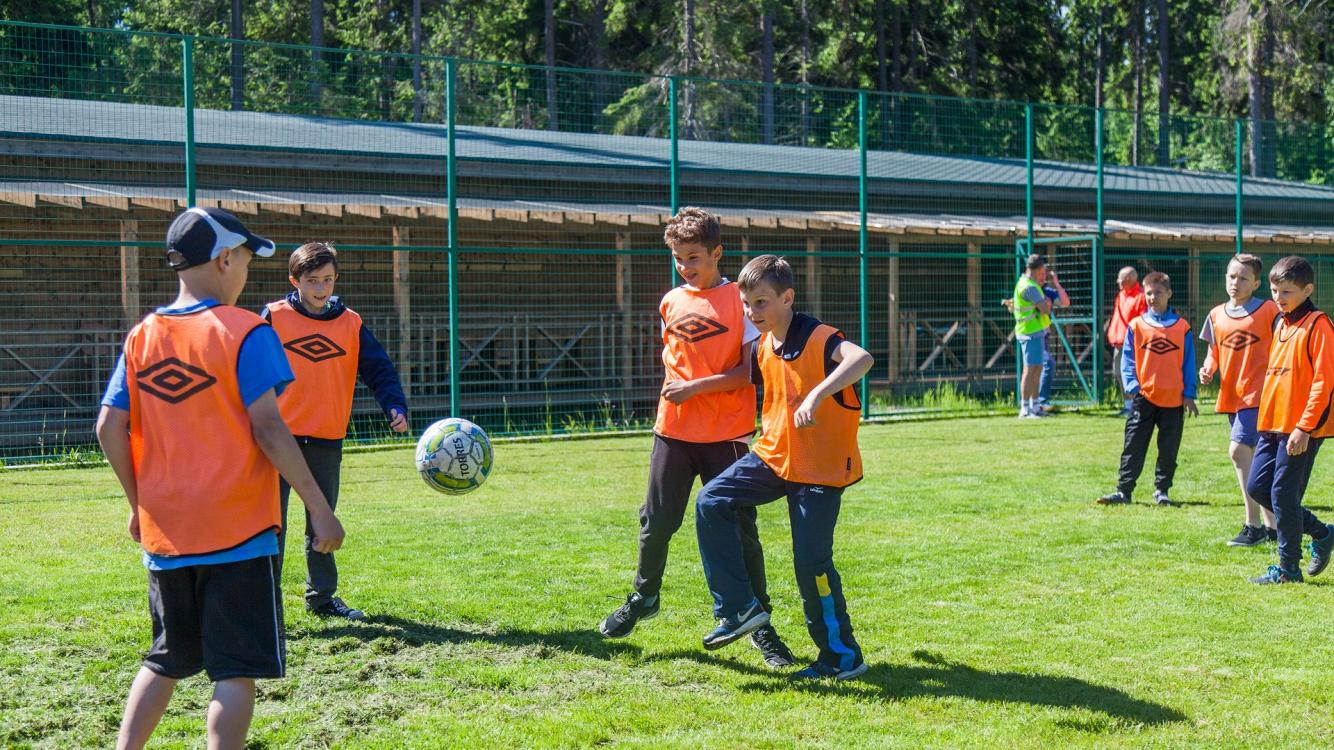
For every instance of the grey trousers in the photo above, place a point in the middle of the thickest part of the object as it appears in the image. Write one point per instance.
(325, 460)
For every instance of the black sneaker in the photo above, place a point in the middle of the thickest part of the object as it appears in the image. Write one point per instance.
(733, 628)
(820, 671)
(622, 622)
(1115, 498)
(1161, 498)
(1249, 536)
(776, 653)
(336, 607)
(1271, 534)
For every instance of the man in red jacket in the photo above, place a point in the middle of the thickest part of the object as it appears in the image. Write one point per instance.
(1129, 305)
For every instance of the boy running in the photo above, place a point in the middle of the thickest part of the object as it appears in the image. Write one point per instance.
(1293, 420)
(706, 415)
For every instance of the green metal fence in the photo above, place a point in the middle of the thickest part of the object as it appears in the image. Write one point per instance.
(501, 224)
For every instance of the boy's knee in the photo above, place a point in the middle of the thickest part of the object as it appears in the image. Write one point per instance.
(712, 504)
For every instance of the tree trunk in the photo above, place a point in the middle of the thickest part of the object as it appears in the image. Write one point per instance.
(416, 60)
(1164, 92)
(238, 58)
(549, 34)
(1101, 64)
(972, 48)
(881, 60)
(597, 50)
(1137, 71)
(914, 27)
(687, 92)
(1257, 45)
(382, 12)
(896, 53)
(316, 41)
(805, 71)
(767, 72)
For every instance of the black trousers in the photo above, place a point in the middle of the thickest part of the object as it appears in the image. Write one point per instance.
(673, 466)
(1144, 417)
(325, 459)
(1278, 482)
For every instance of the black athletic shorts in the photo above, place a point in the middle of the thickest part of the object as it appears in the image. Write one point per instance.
(226, 620)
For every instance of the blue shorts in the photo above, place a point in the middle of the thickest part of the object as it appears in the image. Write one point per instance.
(1243, 427)
(1034, 349)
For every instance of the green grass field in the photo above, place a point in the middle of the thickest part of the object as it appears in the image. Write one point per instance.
(997, 605)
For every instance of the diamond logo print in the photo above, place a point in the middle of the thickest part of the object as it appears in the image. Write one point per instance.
(1160, 345)
(173, 381)
(693, 327)
(1238, 340)
(316, 347)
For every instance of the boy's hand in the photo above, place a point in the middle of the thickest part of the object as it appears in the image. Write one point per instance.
(678, 391)
(398, 421)
(134, 526)
(328, 532)
(1206, 375)
(1297, 442)
(1191, 409)
(805, 414)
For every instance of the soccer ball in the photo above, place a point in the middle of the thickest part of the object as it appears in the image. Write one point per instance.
(454, 456)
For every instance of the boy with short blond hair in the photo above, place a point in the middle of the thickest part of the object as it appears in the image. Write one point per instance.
(1158, 372)
(1238, 333)
(807, 451)
(706, 415)
(1293, 420)
(328, 347)
(191, 427)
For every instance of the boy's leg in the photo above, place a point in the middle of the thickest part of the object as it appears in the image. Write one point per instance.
(813, 511)
(1290, 477)
(746, 483)
(229, 713)
(1241, 450)
(241, 619)
(1171, 423)
(670, 475)
(1048, 375)
(1139, 430)
(149, 695)
(284, 493)
(714, 459)
(325, 461)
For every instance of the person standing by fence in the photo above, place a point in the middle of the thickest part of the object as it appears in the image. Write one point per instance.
(1032, 318)
(1129, 305)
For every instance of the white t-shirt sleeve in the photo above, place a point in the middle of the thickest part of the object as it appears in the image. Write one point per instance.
(749, 332)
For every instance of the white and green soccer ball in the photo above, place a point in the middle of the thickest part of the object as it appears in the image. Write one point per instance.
(454, 456)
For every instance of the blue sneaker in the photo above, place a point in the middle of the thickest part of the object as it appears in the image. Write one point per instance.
(731, 629)
(1275, 574)
(821, 671)
(1320, 549)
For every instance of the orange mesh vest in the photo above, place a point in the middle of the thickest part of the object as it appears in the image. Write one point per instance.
(323, 355)
(701, 336)
(1301, 372)
(1158, 360)
(824, 453)
(1240, 350)
(204, 484)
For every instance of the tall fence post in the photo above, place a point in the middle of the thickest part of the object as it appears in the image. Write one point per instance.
(452, 232)
(862, 290)
(673, 175)
(1240, 135)
(188, 89)
(1098, 134)
(1028, 165)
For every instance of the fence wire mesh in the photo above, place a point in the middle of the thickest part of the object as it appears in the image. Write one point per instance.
(558, 182)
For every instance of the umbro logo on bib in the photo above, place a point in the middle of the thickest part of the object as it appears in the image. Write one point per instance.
(173, 381)
(1160, 345)
(693, 328)
(1238, 340)
(316, 347)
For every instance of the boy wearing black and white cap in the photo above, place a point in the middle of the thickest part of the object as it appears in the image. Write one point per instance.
(190, 424)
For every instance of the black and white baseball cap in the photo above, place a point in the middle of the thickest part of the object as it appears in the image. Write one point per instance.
(199, 235)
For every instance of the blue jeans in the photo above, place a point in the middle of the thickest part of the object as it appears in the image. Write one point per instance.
(813, 512)
(1044, 384)
(1278, 482)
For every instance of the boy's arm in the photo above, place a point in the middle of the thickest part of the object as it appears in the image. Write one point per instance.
(678, 391)
(1322, 375)
(1188, 376)
(276, 441)
(113, 433)
(1210, 366)
(1062, 299)
(377, 371)
(853, 362)
(1129, 380)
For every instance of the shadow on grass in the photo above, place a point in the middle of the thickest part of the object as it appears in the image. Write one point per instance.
(935, 676)
(411, 633)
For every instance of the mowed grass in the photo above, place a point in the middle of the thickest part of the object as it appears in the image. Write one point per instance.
(997, 605)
